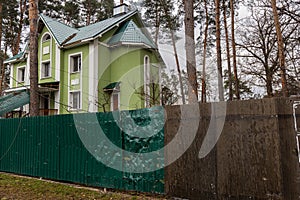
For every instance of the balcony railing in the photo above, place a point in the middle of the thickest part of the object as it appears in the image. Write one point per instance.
(46, 112)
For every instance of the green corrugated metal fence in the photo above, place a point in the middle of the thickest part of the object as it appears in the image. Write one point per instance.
(50, 147)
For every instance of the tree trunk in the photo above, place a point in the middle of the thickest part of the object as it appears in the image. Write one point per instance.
(34, 96)
(88, 17)
(175, 50)
(269, 80)
(16, 47)
(236, 79)
(178, 67)
(280, 49)
(219, 56)
(203, 92)
(1, 52)
(190, 51)
(157, 24)
(227, 52)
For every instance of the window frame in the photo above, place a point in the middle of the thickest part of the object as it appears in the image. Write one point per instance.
(44, 39)
(42, 69)
(115, 92)
(18, 78)
(71, 62)
(71, 100)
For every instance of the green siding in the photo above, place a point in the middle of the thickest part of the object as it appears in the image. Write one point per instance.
(15, 67)
(83, 76)
(119, 62)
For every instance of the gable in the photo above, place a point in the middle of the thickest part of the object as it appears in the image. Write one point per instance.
(59, 31)
(130, 33)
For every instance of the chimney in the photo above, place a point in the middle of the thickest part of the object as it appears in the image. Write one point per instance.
(120, 9)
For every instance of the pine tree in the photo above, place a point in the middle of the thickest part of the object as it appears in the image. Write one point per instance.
(189, 22)
(34, 97)
(219, 56)
(10, 24)
(236, 79)
(225, 12)
(1, 52)
(105, 10)
(90, 9)
(20, 24)
(71, 11)
(280, 49)
(51, 8)
(206, 40)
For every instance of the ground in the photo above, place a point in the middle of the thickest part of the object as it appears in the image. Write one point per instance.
(23, 188)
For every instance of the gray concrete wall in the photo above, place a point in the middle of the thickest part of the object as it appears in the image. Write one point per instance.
(254, 158)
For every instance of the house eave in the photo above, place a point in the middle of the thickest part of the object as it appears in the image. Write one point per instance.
(117, 24)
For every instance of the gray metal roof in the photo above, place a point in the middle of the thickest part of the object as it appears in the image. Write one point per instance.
(60, 31)
(16, 57)
(12, 101)
(93, 30)
(131, 33)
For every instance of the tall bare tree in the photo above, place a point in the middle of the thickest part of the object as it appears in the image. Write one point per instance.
(219, 56)
(190, 50)
(203, 91)
(34, 97)
(172, 26)
(227, 50)
(280, 49)
(236, 79)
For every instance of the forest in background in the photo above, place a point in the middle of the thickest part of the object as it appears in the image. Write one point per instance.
(227, 57)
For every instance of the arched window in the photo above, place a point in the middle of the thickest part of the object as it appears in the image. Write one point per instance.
(46, 37)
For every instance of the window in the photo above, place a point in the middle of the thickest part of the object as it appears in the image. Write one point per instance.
(115, 101)
(46, 70)
(46, 37)
(75, 63)
(21, 74)
(75, 100)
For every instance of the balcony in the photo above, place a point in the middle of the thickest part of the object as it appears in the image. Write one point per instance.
(47, 112)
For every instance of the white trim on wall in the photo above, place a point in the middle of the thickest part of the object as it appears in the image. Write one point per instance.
(11, 80)
(57, 64)
(42, 53)
(27, 80)
(147, 80)
(69, 79)
(93, 76)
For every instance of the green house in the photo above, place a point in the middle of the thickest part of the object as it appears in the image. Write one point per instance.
(106, 66)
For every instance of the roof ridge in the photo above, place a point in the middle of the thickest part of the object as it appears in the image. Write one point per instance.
(93, 30)
(131, 11)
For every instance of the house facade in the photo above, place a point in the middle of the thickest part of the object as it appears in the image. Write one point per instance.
(110, 65)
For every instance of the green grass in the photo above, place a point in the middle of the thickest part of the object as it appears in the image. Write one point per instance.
(15, 187)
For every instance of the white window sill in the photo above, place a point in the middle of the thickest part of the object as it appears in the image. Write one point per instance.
(77, 72)
(45, 77)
